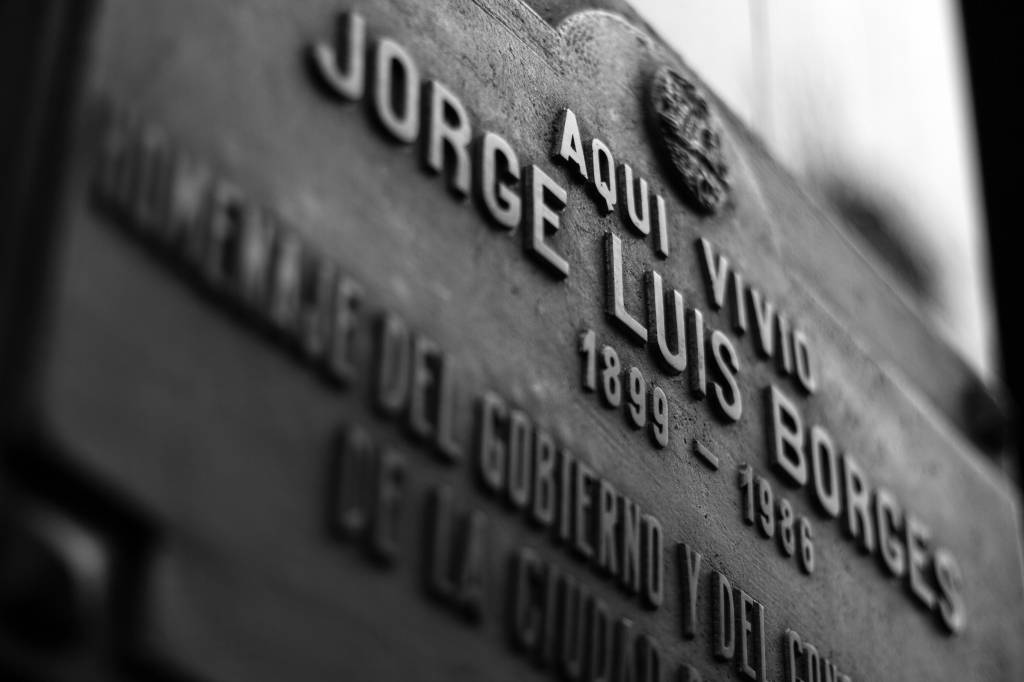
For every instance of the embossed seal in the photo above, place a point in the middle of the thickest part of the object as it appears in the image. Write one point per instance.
(690, 137)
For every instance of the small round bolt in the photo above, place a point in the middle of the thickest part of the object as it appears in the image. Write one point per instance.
(52, 579)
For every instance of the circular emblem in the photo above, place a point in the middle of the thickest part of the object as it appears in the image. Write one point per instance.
(690, 138)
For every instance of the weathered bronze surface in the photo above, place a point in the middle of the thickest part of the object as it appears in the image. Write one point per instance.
(418, 358)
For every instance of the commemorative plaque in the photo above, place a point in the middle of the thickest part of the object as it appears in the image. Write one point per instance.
(446, 340)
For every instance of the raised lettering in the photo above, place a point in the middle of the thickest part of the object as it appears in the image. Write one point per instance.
(615, 298)
(664, 312)
(723, 617)
(570, 144)
(918, 537)
(342, 65)
(950, 599)
(545, 199)
(396, 91)
(689, 563)
(490, 447)
(728, 399)
(635, 206)
(716, 273)
(764, 323)
(448, 136)
(857, 518)
(888, 518)
(498, 172)
(603, 175)
(825, 467)
(785, 438)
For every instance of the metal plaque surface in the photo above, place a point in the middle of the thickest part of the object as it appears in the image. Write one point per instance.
(436, 341)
